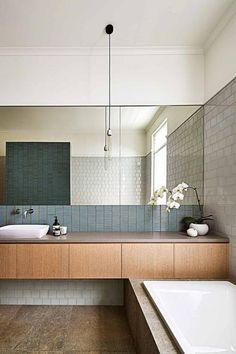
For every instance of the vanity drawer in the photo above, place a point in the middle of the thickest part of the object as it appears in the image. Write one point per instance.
(151, 261)
(41, 261)
(95, 261)
(7, 261)
(201, 261)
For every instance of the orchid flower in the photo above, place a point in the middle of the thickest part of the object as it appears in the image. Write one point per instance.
(175, 195)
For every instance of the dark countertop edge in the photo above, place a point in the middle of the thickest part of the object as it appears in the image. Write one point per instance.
(121, 237)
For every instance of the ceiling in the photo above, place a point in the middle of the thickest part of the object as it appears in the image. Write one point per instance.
(80, 23)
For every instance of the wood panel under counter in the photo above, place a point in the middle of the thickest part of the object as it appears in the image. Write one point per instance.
(7, 261)
(201, 261)
(115, 255)
(95, 261)
(151, 261)
(40, 261)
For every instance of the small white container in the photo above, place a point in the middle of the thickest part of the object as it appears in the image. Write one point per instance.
(192, 232)
(202, 229)
(63, 230)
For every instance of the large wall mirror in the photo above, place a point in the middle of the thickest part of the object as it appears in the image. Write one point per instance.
(55, 155)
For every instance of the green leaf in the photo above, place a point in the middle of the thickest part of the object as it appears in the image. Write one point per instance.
(188, 220)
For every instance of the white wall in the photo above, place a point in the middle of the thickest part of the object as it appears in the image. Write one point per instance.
(175, 117)
(220, 56)
(79, 77)
(83, 127)
(132, 142)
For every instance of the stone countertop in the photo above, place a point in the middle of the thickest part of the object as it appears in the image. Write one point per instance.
(122, 237)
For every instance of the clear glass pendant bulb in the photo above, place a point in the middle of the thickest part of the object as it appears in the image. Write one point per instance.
(105, 159)
(109, 143)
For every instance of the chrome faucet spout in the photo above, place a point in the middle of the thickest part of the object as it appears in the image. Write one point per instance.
(28, 211)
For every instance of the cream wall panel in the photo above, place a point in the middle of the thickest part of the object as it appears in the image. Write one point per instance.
(137, 78)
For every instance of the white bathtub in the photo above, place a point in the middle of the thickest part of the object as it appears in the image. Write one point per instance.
(200, 314)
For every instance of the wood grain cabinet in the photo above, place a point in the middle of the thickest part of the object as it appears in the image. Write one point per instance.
(151, 261)
(201, 261)
(7, 261)
(95, 261)
(42, 261)
(127, 260)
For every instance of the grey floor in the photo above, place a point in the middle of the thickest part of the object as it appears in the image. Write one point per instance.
(64, 329)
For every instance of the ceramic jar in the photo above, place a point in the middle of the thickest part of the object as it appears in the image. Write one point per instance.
(202, 229)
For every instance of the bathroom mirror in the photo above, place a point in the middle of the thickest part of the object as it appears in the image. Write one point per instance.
(161, 146)
(150, 146)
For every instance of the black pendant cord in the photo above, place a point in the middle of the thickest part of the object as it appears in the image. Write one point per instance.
(109, 31)
(109, 83)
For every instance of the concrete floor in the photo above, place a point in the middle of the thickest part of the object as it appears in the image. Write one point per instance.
(64, 330)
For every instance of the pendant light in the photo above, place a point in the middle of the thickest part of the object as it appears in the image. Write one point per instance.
(106, 149)
(108, 132)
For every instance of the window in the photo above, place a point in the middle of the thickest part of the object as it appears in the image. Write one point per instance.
(159, 154)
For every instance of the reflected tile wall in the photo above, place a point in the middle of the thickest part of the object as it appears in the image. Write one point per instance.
(148, 159)
(185, 156)
(122, 182)
(2, 179)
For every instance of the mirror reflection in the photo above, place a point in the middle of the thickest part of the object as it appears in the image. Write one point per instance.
(55, 155)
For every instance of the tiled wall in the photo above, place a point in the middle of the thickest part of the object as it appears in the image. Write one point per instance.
(115, 218)
(37, 173)
(133, 180)
(2, 179)
(122, 182)
(148, 177)
(220, 165)
(61, 292)
(185, 156)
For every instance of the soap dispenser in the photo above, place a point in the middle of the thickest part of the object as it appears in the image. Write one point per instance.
(56, 227)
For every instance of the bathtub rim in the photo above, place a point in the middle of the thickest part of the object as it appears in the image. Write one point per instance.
(162, 316)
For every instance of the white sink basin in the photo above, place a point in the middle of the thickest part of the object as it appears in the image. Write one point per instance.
(23, 231)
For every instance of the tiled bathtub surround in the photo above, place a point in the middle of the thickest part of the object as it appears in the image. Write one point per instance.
(220, 164)
(61, 292)
(133, 218)
(185, 156)
(122, 182)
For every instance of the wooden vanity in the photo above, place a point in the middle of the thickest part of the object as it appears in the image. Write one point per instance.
(115, 255)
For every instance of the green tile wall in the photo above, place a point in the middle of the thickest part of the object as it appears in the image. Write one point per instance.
(37, 173)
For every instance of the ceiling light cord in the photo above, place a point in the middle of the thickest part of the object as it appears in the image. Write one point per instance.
(109, 31)
(109, 83)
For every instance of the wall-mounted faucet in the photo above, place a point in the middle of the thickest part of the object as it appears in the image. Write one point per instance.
(28, 211)
(15, 211)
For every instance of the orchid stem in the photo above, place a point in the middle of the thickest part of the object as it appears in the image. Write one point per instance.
(198, 200)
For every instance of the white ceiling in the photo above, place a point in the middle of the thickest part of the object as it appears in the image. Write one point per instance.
(76, 23)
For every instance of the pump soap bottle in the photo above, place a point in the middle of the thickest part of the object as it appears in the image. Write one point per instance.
(56, 227)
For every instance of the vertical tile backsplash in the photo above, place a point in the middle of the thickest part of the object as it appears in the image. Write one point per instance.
(103, 218)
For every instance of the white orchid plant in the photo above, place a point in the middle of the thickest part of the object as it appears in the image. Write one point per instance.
(175, 196)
